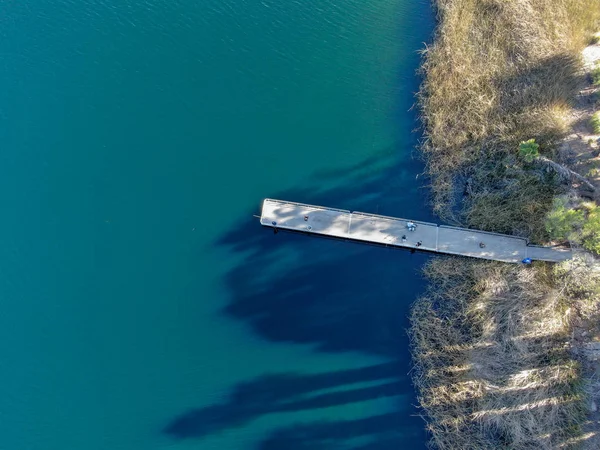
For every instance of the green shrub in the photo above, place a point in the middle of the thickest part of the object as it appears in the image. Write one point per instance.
(529, 150)
(596, 76)
(591, 230)
(594, 172)
(578, 225)
(563, 222)
(595, 122)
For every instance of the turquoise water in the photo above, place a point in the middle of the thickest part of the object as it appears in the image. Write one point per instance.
(143, 305)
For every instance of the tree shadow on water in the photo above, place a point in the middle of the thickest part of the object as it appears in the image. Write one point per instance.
(337, 296)
(382, 432)
(287, 392)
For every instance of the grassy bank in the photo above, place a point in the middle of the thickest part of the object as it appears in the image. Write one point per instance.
(492, 342)
(499, 73)
(492, 348)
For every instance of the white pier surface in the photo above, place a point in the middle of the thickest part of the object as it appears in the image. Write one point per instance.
(378, 229)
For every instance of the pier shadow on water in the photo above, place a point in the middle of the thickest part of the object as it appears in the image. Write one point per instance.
(337, 296)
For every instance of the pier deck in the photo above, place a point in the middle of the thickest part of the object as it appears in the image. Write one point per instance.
(384, 230)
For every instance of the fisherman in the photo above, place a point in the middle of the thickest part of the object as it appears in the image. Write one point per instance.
(403, 238)
(481, 245)
(411, 226)
(418, 244)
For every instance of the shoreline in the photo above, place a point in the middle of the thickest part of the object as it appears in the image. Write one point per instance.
(496, 360)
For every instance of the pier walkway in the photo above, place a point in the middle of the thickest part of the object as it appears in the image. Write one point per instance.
(389, 231)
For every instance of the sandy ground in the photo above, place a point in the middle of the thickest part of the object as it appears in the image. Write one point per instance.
(591, 54)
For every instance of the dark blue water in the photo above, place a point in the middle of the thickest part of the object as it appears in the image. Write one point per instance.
(143, 305)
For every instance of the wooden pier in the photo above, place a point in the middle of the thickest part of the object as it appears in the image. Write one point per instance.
(395, 232)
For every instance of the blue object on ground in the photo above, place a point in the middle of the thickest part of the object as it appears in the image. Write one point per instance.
(526, 261)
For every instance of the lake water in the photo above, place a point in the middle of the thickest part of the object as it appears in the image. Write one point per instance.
(143, 307)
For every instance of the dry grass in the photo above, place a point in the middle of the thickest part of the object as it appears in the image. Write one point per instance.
(499, 72)
(513, 201)
(492, 352)
(491, 342)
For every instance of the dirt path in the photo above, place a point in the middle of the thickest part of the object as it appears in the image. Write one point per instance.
(581, 152)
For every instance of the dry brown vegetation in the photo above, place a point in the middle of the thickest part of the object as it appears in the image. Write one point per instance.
(494, 363)
(492, 343)
(499, 72)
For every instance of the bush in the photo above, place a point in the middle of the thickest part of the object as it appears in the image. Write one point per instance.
(563, 222)
(529, 150)
(580, 225)
(595, 122)
(596, 76)
(593, 172)
(591, 230)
